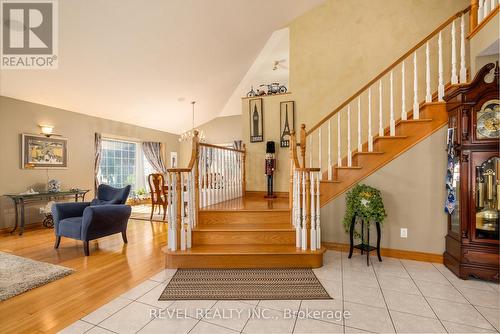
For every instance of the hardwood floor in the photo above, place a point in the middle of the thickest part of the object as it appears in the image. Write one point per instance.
(111, 269)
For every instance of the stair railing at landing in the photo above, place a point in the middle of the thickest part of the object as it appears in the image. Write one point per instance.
(214, 174)
(304, 196)
(438, 59)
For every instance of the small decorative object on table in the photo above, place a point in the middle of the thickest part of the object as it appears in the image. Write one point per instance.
(364, 203)
(48, 220)
(274, 88)
(54, 186)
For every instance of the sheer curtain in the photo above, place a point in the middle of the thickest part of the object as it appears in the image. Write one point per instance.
(152, 152)
(97, 160)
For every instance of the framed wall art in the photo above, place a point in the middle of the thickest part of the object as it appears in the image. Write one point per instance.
(44, 152)
(287, 122)
(256, 121)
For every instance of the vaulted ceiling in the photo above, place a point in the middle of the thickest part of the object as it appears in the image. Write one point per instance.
(142, 62)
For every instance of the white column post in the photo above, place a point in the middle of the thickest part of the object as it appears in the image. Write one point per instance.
(339, 156)
(360, 144)
(392, 122)
(440, 68)
(329, 150)
(428, 95)
(463, 70)
(416, 107)
(304, 218)
(370, 136)
(318, 211)
(454, 76)
(403, 93)
(313, 212)
(349, 152)
(380, 111)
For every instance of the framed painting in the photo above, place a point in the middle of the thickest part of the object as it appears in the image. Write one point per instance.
(44, 152)
(287, 122)
(256, 121)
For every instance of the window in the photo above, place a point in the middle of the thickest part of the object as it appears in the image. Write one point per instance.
(124, 163)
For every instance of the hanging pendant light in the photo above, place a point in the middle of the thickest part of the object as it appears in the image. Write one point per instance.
(188, 135)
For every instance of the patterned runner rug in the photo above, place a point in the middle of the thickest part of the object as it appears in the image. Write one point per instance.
(244, 284)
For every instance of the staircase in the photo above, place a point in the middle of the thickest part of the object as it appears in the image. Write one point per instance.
(247, 232)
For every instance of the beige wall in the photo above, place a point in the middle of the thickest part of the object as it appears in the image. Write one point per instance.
(256, 180)
(18, 117)
(338, 47)
(220, 130)
(413, 192)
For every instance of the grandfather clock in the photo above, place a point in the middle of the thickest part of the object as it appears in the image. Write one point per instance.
(472, 241)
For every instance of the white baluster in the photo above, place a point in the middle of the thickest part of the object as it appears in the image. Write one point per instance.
(319, 149)
(349, 152)
(200, 186)
(493, 5)
(392, 122)
(329, 150)
(311, 150)
(454, 76)
(486, 9)
(370, 136)
(463, 70)
(318, 211)
(403, 93)
(183, 218)
(380, 111)
(339, 157)
(190, 222)
(480, 12)
(360, 143)
(416, 107)
(440, 68)
(304, 218)
(313, 212)
(296, 197)
(428, 95)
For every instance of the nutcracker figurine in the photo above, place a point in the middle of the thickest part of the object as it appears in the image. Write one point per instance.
(270, 166)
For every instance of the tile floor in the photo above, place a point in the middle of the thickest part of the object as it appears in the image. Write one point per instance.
(393, 296)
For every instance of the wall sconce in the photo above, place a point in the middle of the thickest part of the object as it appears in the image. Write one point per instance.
(47, 130)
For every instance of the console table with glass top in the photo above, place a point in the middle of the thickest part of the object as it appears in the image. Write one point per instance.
(21, 199)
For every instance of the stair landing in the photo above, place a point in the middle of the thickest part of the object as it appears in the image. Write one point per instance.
(247, 232)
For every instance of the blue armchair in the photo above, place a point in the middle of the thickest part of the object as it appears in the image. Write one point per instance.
(105, 215)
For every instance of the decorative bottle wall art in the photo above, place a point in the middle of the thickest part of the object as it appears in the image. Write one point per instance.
(256, 121)
(287, 122)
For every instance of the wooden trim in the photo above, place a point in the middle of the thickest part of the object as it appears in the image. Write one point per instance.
(484, 22)
(281, 194)
(387, 70)
(178, 170)
(316, 169)
(474, 5)
(271, 95)
(389, 252)
(222, 147)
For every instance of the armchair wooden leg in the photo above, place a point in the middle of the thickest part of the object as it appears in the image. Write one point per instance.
(124, 236)
(58, 241)
(86, 248)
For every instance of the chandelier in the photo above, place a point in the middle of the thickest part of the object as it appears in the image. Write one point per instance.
(188, 135)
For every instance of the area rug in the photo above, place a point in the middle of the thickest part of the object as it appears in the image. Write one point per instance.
(244, 284)
(143, 212)
(19, 274)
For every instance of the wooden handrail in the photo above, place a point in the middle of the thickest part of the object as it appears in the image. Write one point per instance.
(222, 147)
(387, 70)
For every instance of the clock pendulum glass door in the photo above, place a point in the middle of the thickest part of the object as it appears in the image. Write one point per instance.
(488, 199)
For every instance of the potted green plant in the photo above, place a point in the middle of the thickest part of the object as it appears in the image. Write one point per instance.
(366, 203)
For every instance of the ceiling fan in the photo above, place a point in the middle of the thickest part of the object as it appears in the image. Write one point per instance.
(279, 64)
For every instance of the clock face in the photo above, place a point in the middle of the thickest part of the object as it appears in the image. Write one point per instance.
(488, 120)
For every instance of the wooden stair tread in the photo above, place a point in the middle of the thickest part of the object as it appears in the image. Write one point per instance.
(245, 210)
(240, 229)
(346, 167)
(390, 137)
(421, 120)
(367, 153)
(231, 249)
(331, 181)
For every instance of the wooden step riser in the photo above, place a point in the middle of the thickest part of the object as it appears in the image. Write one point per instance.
(236, 237)
(245, 261)
(256, 218)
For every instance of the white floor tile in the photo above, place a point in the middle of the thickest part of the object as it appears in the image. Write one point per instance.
(368, 318)
(401, 284)
(281, 305)
(485, 298)
(208, 328)
(409, 323)
(140, 290)
(129, 319)
(311, 326)
(106, 310)
(441, 291)
(454, 328)
(151, 297)
(77, 328)
(491, 314)
(229, 314)
(169, 325)
(459, 313)
(99, 330)
(323, 310)
(402, 302)
(164, 275)
(194, 308)
(268, 321)
(363, 295)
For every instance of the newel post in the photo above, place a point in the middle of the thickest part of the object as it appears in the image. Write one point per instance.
(474, 6)
(243, 162)
(196, 174)
(303, 144)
